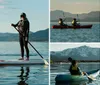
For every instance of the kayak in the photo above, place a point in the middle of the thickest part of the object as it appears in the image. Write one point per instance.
(71, 78)
(22, 62)
(69, 27)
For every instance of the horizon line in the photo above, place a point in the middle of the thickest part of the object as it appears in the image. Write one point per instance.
(29, 31)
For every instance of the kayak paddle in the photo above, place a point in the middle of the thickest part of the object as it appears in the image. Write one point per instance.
(46, 63)
(78, 19)
(90, 77)
(64, 17)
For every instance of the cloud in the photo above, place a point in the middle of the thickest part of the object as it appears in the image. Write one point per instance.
(2, 7)
(1, 1)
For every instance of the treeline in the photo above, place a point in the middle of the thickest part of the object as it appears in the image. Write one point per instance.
(85, 61)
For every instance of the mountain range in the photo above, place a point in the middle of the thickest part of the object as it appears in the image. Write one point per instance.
(93, 16)
(83, 53)
(41, 35)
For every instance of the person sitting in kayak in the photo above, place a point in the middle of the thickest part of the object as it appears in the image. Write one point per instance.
(74, 69)
(61, 22)
(74, 22)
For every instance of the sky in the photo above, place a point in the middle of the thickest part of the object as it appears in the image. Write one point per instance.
(37, 12)
(75, 6)
(62, 46)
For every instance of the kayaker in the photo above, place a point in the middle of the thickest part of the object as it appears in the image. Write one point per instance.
(23, 28)
(61, 22)
(74, 69)
(74, 22)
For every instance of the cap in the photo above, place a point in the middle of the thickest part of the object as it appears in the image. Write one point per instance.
(23, 15)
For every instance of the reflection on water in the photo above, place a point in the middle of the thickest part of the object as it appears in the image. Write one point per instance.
(23, 77)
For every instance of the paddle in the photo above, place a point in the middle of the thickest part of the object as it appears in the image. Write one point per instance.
(89, 77)
(64, 17)
(78, 18)
(46, 63)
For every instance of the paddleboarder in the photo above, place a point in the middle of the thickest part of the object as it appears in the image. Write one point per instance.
(23, 28)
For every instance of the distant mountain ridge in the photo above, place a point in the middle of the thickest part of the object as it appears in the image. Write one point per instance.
(79, 53)
(93, 16)
(41, 35)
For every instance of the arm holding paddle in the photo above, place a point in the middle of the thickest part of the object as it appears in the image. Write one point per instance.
(75, 70)
(46, 63)
(24, 32)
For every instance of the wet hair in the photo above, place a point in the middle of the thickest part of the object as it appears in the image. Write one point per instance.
(60, 18)
(70, 59)
(74, 62)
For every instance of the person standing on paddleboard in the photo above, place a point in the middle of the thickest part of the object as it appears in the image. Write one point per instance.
(23, 28)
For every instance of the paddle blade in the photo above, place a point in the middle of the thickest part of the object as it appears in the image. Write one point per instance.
(46, 63)
(90, 77)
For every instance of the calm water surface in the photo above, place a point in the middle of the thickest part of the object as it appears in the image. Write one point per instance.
(76, 35)
(63, 69)
(23, 75)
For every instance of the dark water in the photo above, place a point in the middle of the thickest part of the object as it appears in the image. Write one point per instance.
(23, 75)
(76, 35)
(63, 69)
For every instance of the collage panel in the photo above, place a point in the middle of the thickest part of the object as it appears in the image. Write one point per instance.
(75, 64)
(24, 42)
(75, 21)
(49, 42)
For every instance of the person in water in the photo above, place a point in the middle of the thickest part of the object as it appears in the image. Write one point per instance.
(74, 69)
(23, 28)
(74, 22)
(61, 22)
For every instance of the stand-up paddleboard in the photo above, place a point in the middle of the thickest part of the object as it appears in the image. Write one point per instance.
(22, 62)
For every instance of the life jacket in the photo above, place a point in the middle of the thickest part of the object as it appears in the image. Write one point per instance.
(59, 22)
(73, 21)
(74, 70)
(74, 67)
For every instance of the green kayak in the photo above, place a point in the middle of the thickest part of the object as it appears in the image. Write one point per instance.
(72, 78)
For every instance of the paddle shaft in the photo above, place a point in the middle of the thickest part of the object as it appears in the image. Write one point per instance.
(30, 44)
(64, 17)
(35, 49)
(78, 18)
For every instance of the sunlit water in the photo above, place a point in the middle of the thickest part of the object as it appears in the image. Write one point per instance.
(63, 69)
(75, 35)
(23, 75)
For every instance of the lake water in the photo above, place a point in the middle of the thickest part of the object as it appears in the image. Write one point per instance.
(63, 69)
(23, 75)
(76, 35)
